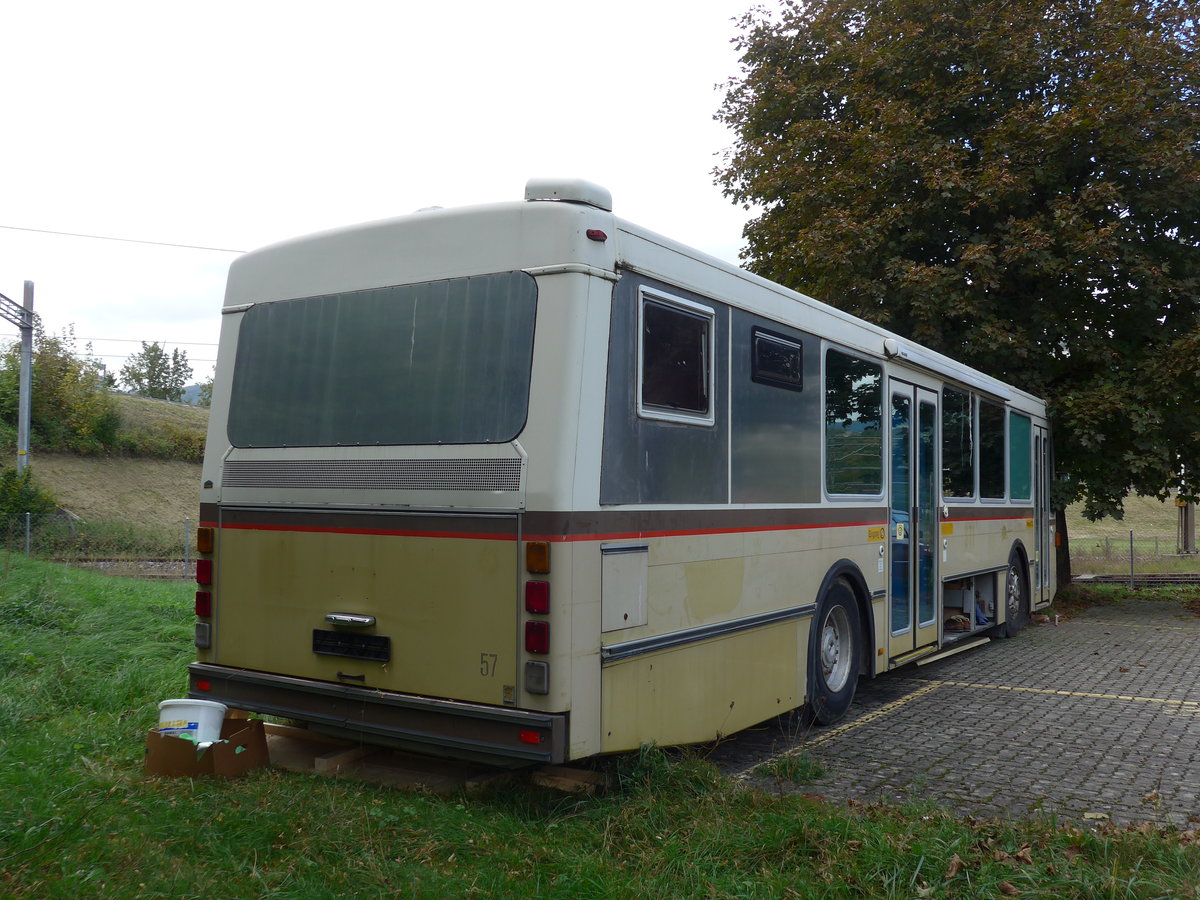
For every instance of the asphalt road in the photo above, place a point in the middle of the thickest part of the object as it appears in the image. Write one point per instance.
(1092, 720)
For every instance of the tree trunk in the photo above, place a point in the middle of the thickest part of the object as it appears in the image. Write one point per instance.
(1062, 548)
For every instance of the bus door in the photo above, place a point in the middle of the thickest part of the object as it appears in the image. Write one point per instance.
(913, 524)
(1040, 580)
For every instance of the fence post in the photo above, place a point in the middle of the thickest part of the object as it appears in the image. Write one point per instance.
(1131, 584)
(28, 524)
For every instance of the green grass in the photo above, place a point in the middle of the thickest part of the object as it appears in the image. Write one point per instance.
(84, 660)
(798, 768)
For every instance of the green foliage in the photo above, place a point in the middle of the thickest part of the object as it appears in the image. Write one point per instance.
(19, 494)
(1015, 183)
(151, 372)
(163, 441)
(205, 396)
(70, 409)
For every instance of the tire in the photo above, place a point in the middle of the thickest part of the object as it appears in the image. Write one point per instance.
(834, 650)
(1016, 596)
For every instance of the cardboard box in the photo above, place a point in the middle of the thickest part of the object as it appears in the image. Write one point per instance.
(243, 746)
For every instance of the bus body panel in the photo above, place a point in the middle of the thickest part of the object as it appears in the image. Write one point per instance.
(279, 583)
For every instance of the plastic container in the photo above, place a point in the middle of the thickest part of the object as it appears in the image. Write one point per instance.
(193, 720)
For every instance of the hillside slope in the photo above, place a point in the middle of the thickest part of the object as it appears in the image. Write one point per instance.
(156, 493)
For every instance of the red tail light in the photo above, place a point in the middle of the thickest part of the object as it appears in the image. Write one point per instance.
(537, 637)
(529, 737)
(537, 597)
(204, 571)
(204, 604)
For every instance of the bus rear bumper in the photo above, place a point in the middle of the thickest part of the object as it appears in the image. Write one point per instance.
(424, 724)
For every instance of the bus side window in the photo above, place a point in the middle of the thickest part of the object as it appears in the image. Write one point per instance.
(676, 361)
(958, 444)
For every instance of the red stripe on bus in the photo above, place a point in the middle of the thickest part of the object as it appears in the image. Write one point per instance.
(381, 532)
(558, 538)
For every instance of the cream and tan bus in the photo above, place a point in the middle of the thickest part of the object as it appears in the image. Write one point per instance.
(527, 482)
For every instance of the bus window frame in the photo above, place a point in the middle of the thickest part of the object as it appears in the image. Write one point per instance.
(648, 295)
(884, 407)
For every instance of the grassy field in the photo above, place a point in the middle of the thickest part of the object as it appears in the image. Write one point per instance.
(84, 659)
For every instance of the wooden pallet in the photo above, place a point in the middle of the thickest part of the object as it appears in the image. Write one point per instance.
(302, 750)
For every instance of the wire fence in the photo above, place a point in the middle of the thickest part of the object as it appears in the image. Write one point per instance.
(1166, 544)
(117, 547)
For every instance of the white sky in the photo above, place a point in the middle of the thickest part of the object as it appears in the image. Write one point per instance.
(236, 124)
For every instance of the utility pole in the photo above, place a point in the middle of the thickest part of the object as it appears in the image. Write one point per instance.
(22, 317)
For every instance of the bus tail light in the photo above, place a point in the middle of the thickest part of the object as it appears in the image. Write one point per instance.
(537, 597)
(537, 557)
(537, 637)
(204, 539)
(529, 737)
(203, 604)
(204, 571)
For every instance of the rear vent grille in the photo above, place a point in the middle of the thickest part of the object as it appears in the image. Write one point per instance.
(376, 474)
(354, 646)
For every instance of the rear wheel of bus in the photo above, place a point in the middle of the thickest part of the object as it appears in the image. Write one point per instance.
(834, 651)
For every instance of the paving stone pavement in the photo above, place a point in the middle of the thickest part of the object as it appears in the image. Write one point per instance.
(1095, 719)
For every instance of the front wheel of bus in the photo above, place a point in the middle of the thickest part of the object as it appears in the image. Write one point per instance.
(833, 654)
(1016, 596)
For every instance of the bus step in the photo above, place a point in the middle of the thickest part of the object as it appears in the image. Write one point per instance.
(957, 648)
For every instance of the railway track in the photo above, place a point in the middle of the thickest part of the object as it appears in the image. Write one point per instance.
(1140, 579)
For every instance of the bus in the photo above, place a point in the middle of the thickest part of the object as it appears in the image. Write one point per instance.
(526, 483)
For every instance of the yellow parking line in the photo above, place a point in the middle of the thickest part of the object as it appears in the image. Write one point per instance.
(1190, 704)
(849, 726)
(930, 686)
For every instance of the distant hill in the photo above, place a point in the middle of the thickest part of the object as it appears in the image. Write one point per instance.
(191, 394)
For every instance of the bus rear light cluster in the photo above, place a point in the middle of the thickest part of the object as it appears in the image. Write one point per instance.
(537, 631)
(205, 544)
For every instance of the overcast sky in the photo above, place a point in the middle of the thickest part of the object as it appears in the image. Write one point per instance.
(231, 125)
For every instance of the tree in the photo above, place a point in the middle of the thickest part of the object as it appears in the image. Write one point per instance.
(1015, 183)
(71, 410)
(204, 398)
(151, 372)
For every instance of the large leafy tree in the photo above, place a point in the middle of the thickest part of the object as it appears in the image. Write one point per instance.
(152, 372)
(1015, 183)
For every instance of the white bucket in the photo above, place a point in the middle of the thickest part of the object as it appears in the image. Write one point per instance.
(192, 720)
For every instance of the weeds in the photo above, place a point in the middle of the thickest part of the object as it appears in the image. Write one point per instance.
(798, 768)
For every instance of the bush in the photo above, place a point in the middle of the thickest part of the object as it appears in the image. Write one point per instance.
(19, 494)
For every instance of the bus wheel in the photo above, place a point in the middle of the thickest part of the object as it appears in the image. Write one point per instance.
(1016, 597)
(833, 653)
